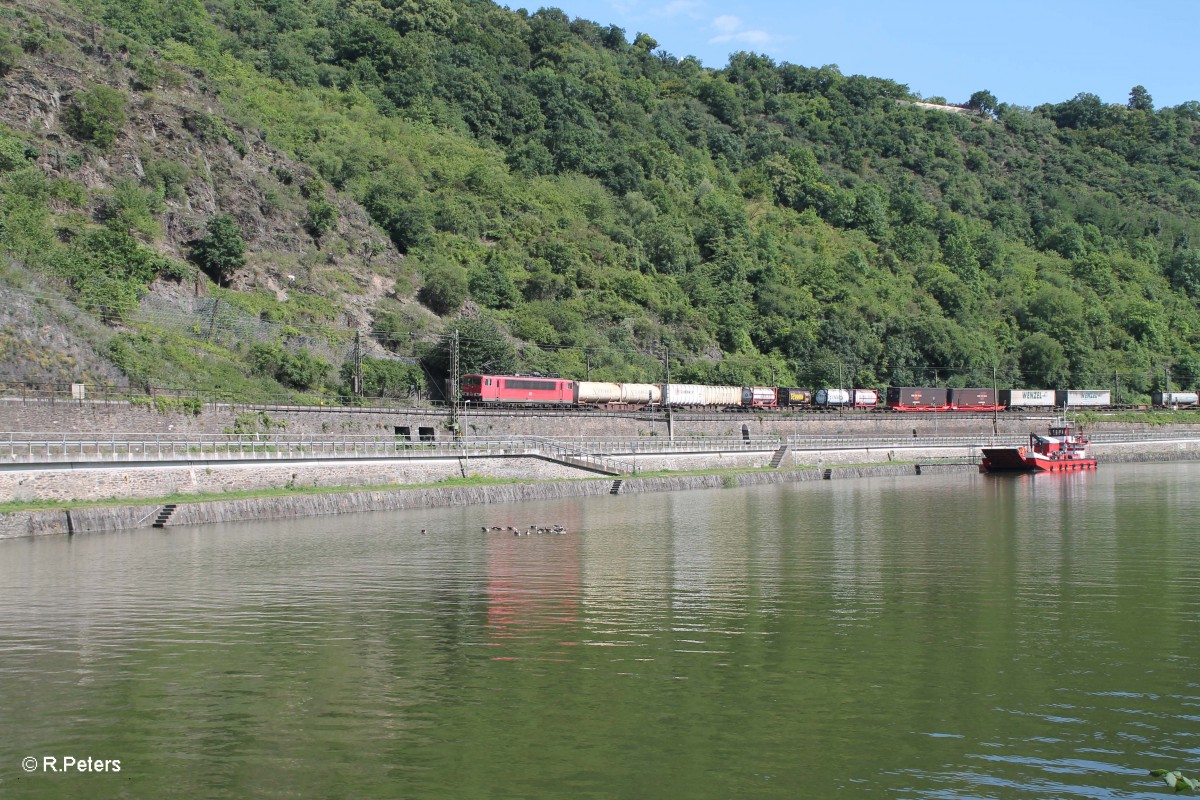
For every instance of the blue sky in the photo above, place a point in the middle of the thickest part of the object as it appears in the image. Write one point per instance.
(1026, 53)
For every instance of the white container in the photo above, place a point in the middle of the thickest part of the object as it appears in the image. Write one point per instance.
(1028, 398)
(1084, 398)
(690, 394)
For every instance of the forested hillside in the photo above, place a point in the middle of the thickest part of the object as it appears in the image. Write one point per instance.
(573, 201)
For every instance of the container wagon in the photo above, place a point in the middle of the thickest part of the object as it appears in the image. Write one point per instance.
(595, 393)
(1027, 399)
(1083, 398)
(686, 394)
(866, 398)
(973, 400)
(917, 398)
(793, 397)
(1175, 399)
(760, 397)
(843, 398)
(832, 397)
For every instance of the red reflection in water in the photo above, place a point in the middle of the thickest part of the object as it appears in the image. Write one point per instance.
(533, 593)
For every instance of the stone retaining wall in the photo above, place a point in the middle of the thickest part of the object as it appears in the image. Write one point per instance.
(99, 481)
(99, 417)
(92, 520)
(96, 520)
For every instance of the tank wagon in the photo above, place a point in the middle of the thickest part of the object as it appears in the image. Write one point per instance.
(1176, 399)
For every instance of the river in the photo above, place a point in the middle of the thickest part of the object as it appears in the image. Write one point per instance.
(942, 636)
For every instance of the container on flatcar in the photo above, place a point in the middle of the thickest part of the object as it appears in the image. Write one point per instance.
(683, 394)
(1086, 398)
(760, 396)
(1027, 399)
(832, 397)
(599, 393)
(688, 394)
(972, 399)
(602, 394)
(1171, 399)
(917, 398)
(641, 393)
(866, 398)
(722, 396)
(792, 397)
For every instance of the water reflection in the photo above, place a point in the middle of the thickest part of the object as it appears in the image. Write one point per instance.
(533, 594)
(949, 636)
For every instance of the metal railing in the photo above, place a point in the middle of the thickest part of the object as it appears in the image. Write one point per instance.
(31, 448)
(156, 446)
(569, 453)
(604, 454)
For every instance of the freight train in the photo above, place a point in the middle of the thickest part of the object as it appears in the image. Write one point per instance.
(542, 391)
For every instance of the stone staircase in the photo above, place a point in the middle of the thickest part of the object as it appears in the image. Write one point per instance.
(777, 459)
(164, 515)
(616, 487)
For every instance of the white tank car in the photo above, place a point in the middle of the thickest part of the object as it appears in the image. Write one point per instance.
(866, 398)
(1175, 398)
(832, 397)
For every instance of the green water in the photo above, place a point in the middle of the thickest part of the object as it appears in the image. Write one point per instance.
(952, 636)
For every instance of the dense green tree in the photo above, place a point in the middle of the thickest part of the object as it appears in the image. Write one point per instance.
(445, 287)
(1043, 362)
(1140, 99)
(982, 101)
(491, 286)
(221, 251)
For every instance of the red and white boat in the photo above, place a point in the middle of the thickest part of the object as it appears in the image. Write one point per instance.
(1064, 450)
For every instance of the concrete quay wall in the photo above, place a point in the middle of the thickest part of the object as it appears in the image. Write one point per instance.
(98, 520)
(93, 481)
(92, 520)
(153, 479)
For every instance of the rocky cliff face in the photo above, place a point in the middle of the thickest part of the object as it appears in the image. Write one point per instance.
(179, 147)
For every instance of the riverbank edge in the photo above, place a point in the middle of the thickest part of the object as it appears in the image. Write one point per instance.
(19, 524)
(22, 524)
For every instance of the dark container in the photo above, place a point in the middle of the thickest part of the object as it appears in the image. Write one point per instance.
(795, 397)
(973, 398)
(916, 397)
